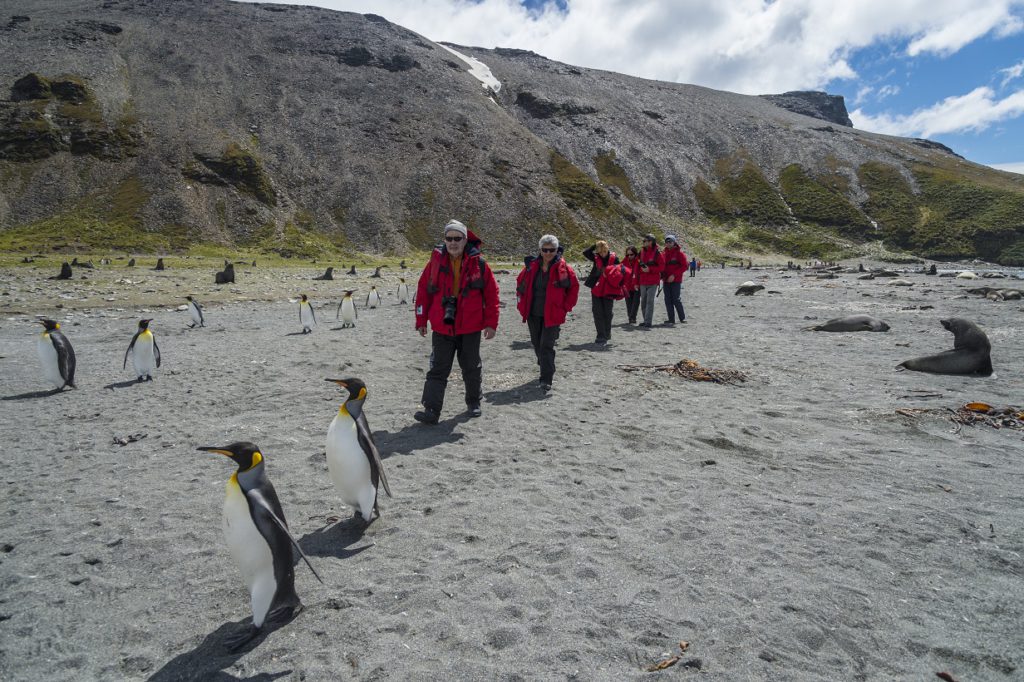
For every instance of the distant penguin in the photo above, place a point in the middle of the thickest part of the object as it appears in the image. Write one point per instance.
(57, 355)
(347, 310)
(352, 457)
(403, 291)
(144, 351)
(372, 298)
(196, 312)
(257, 536)
(307, 318)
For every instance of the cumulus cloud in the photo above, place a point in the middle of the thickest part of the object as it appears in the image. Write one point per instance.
(747, 46)
(973, 112)
(1012, 73)
(888, 91)
(1011, 167)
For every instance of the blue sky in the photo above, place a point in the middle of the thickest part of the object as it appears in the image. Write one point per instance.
(947, 70)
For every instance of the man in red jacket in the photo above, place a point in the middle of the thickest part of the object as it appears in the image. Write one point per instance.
(675, 267)
(546, 290)
(458, 295)
(651, 265)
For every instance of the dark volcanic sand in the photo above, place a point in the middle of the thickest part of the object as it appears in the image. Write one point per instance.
(793, 528)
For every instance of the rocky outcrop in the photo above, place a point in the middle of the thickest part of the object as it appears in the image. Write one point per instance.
(831, 108)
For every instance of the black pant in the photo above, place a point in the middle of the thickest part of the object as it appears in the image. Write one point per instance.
(632, 305)
(543, 340)
(443, 351)
(673, 302)
(603, 308)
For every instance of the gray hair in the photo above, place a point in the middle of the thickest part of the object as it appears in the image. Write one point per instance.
(547, 239)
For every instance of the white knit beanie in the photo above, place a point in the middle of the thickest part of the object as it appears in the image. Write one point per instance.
(456, 226)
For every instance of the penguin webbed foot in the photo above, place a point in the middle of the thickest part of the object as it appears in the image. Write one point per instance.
(284, 614)
(237, 642)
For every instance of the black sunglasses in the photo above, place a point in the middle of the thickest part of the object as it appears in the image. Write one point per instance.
(454, 239)
(549, 250)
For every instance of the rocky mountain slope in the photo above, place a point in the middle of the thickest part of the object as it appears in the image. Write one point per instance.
(155, 126)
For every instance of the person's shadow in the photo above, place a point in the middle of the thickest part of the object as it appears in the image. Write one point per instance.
(587, 346)
(520, 345)
(524, 393)
(208, 660)
(417, 436)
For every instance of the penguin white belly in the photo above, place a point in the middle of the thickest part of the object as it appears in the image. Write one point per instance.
(193, 311)
(306, 316)
(349, 467)
(250, 551)
(348, 312)
(374, 299)
(48, 356)
(143, 356)
(403, 293)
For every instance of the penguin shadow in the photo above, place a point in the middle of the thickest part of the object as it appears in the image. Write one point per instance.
(524, 393)
(128, 383)
(208, 660)
(298, 334)
(418, 437)
(32, 395)
(333, 540)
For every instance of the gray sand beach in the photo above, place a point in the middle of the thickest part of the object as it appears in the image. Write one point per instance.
(792, 527)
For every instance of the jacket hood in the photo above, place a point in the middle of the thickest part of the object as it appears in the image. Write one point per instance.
(473, 244)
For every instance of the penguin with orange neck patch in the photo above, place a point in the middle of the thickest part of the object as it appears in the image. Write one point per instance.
(352, 457)
(258, 538)
(144, 351)
(57, 355)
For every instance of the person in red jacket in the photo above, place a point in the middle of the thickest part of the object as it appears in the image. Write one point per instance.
(651, 265)
(632, 289)
(546, 290)
(601, 299)
(458, 295)
(675, 269)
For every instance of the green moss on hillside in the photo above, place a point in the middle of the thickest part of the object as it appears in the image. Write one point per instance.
(237, 167)
(814, 202)
(799, 242)
(891, 202)
(742, 196)
(611, 173)
(580, 192)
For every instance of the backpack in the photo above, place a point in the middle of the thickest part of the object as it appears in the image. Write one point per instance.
(614, 281)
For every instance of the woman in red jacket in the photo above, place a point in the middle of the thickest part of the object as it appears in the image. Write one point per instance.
(675, 267)
(632, 290)
(546, 290)
(601, 299)
(651, 265)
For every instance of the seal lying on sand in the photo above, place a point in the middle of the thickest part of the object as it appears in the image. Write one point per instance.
(851, 323)
(970, 354)
(748, 288)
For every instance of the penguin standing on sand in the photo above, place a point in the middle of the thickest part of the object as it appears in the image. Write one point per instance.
(372, 298)
(196, 312)
(306, 315)
(347, 310)
(144, 351)
(57, 355)
(352, 457)
(403, 291)
(257, 536)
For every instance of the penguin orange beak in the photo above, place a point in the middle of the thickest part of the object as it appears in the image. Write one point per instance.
(340, 382)
(219, 451)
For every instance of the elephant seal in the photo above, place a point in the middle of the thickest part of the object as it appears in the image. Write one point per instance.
(900, 283)
(851, 323)
(967, 274)
(748, 288)
(970, 354)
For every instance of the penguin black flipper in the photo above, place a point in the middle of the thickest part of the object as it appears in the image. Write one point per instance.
(337, 315)
(370, 448)
(267, 515)
(313, 313)
(199, 309)
(65, 358)
(130, 346)
(156, 350)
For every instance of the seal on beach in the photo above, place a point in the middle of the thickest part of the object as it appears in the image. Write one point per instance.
(403, 291)
(970, 354)
(65, 271)
(144, 351)
(328, 275)
(57, 355)
(352, 457)
(347, 310)
(257, 536)
(373, 298)
(851, 323)
(225, 276)
(748, 288)
(307, 318)
(196, 312)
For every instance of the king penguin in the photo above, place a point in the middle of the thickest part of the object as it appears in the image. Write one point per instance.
(144, 351)
(57, 355)
(403, 291)
(306, 315)
(196, 312)
(352, 457)
(372, 298)
(257, 536)
(347, 310)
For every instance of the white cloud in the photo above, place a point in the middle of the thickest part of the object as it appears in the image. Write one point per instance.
(1012, 73)
(862, 93)
(888, 91)
(747, 46)
(973, 112)
(1012, 167)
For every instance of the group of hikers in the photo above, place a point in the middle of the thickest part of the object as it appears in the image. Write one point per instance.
(457, 296)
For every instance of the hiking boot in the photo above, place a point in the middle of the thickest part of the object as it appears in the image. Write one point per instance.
(426, 416)
(474, 411)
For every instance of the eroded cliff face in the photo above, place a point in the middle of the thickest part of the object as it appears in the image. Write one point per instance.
(255, 125)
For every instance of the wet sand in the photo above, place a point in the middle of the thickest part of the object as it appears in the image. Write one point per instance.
(794, 527)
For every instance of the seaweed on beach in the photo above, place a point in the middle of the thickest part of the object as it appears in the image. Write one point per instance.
(691, 370)
(972, 414)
